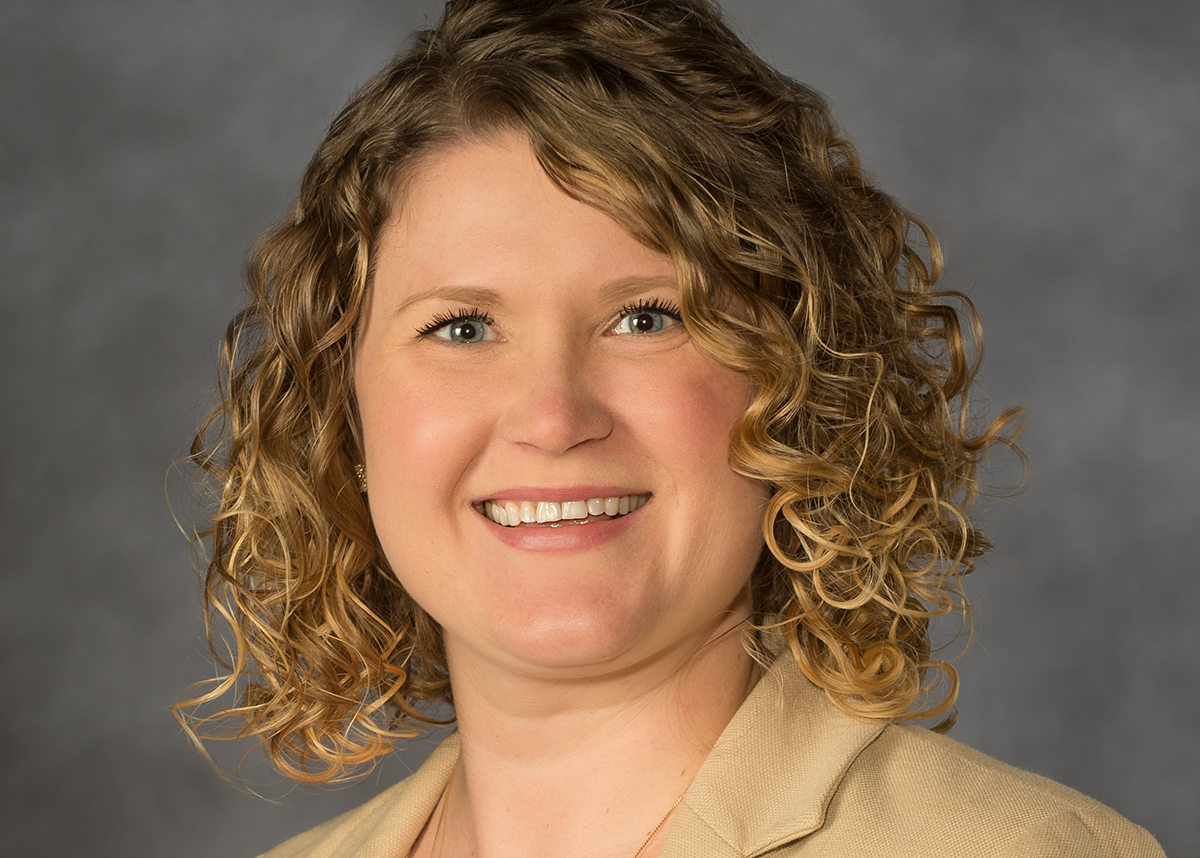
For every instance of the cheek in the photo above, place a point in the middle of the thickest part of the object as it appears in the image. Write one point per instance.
(684, 420)
(693, 410)
(420, 435)
(424, 420)
(402, 426)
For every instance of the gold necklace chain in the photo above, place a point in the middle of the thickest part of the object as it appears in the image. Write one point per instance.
(661, 823)
(437, 831)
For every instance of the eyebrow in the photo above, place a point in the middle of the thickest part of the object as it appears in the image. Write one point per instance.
(629, 287)
(455, 294)
(614, 291)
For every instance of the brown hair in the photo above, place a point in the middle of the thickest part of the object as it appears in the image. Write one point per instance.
(794, 268)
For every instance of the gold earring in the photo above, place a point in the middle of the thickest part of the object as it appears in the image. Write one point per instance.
(361, 472)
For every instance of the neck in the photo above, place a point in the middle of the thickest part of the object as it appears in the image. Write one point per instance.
(587, 766)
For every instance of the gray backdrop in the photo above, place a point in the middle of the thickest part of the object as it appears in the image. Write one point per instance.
(145, 144)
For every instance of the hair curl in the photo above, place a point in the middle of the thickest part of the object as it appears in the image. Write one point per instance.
(794, 268)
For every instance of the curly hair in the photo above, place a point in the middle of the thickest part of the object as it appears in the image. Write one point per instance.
(794, 269)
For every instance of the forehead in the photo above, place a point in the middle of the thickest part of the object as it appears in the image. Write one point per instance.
(485, 211)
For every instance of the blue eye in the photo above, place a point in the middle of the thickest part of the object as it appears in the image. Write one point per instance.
(647, 318)
(466, 327)
(464, 331)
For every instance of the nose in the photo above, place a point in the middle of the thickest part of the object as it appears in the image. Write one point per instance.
(556, 402)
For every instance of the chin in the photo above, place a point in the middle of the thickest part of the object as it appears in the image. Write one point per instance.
(560, 636)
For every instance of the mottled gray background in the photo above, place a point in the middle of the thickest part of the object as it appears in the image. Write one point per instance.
(1053, 144)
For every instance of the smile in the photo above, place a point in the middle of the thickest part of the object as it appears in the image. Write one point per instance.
(513, 513)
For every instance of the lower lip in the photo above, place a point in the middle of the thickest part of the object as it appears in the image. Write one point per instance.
(567, 535)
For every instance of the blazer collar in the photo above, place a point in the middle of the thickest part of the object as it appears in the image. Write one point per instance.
(772, 772)
(389, 824)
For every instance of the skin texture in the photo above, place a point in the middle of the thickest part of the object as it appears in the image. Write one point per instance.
(577, 649)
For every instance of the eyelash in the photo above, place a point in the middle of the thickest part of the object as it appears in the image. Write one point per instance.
(443, 319)
(651, 305)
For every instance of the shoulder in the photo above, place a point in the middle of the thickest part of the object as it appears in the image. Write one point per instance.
(920, 786)
(385, 826)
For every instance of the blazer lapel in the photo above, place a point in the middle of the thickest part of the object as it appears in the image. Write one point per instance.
(386, 826)
(773, 771)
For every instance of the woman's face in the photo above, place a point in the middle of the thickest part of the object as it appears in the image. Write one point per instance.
(521, 350)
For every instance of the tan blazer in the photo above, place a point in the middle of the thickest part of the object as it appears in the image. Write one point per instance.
(794, 777)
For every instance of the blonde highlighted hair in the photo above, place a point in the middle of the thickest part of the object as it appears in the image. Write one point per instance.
(794, 268)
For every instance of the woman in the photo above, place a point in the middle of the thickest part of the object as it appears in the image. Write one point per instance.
(592, 388)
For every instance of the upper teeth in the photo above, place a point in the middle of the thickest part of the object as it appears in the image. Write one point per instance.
(511, 513)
